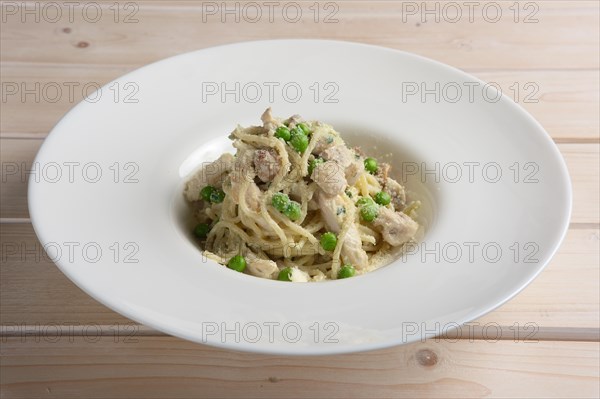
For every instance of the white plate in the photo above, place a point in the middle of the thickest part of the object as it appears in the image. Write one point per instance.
(122, 237)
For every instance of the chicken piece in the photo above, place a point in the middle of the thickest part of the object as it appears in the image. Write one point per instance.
(253, 197)
(358, 151)
(297, 190)
(395, 227)
(243, 166)
(329, 207)
(293, 120)
(382, 173)
(243, 173)
(354, 171)
(396, 191)
(346, 158)
(299, 276)
(267, 164)
(340, 154)
(352, 251)
(324, 142)
(253, 194)
(259, 267)
(330, 177)
(212, 174)
(269, 122)
(255, 130)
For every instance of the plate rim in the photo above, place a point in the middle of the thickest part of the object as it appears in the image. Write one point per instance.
(306, 350)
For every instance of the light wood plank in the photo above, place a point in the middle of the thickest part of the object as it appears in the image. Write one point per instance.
(565, 102)
(34, 292)
(559, 55)
(564, 36)
(583, 161)
(156, 367)
(53, 91)
(16, 157)
(566, 294)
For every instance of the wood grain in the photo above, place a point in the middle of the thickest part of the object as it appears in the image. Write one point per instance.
(34, 292)
(564, 102)
(56, 341)
(53, 91)
(16, 157)
(565, 31)
(583, 161)
(155, 367)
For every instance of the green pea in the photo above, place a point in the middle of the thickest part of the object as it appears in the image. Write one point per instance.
(304, 127)
(328, 241)
(285, 274)
(217, 196)
(346, 271)
(293, 210)
(368, 213)
(382, 198)
(362, 201)
(280, 201)
(206, 192)
(237, 263)
(313, 164)
(298, 140)
(283, 132)
(371, 165)
(201, 230)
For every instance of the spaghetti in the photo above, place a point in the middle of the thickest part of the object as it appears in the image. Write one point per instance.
(295, 203)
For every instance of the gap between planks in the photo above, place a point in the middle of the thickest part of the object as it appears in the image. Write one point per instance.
(62, 65)
(471, 331)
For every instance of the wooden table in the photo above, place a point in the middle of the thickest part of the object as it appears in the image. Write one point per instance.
(58, 342)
